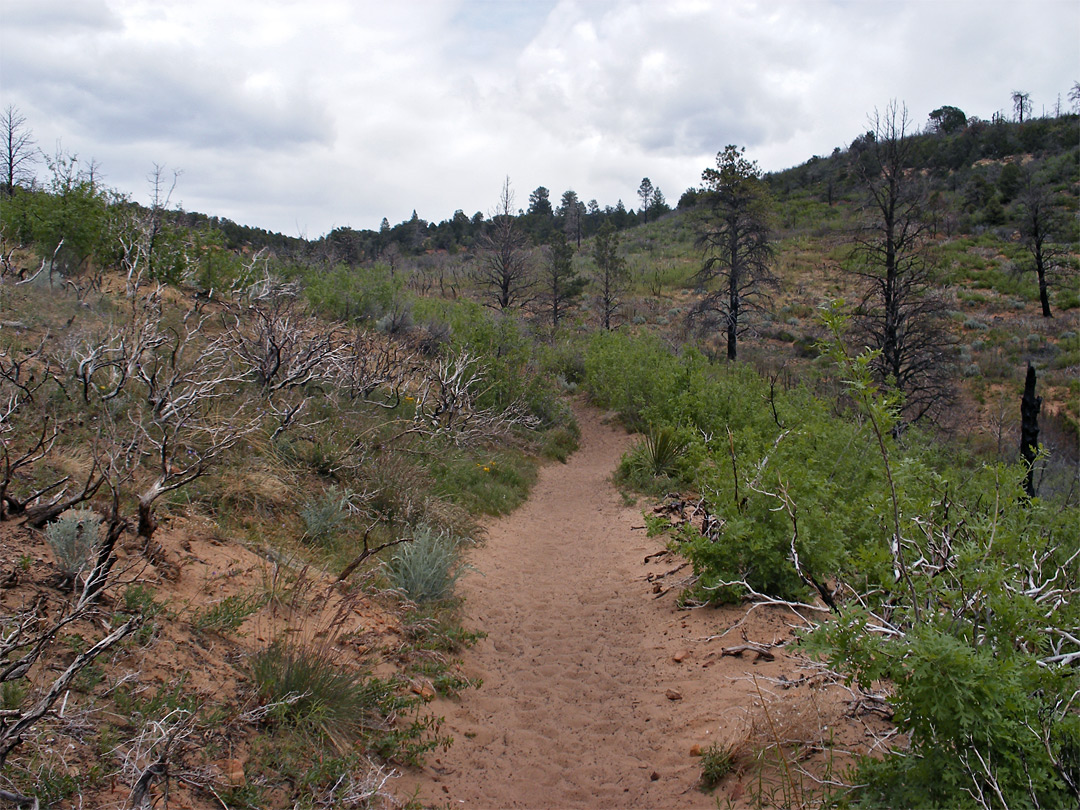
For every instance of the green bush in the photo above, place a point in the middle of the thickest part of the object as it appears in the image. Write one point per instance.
(324, 517)
(559, 443)
(630, 374)
(963, 626)
(426, 568)
(349, 294)
(228, 614)
(495, 484)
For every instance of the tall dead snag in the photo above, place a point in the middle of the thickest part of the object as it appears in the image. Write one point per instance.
(1030, 405)
(901, 315)
(505, 271)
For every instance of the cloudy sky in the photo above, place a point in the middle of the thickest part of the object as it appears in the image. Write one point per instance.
(301, 116)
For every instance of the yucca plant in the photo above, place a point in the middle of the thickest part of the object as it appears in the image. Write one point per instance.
(663, 446)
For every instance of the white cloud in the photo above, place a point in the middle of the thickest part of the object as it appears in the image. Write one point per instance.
(315, 113)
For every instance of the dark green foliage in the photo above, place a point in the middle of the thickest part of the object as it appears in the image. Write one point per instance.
(948, 120)
(967, 589)
(67, 222)
(560, 284)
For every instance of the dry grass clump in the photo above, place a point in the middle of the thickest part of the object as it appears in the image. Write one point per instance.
(795, 748)
(259, 489)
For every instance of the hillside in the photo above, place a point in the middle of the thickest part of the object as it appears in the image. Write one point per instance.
(242, 474)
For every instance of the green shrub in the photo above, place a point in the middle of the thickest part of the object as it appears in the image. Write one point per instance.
(324, 517)
(630, 374)
(495, 484)
(228, 614)
(72, 538)
(560, 442)
(978, 654)
(427, 568)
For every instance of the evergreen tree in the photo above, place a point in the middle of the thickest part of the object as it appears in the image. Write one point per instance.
(562, 285)
(733, 230)
(611, 272)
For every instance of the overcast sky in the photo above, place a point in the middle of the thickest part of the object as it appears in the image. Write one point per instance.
(304, 116)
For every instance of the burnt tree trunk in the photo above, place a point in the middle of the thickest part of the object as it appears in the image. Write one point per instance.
(1029, 429)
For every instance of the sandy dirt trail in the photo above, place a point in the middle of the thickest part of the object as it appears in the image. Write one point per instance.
(593, 690)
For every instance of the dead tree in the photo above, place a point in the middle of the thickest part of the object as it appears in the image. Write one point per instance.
(32, 635)
(21, 377)
(182, 431)
(286, 351)
(283, 348)
(369, 363)
(505, 269)
(17, 152)
(901, 315)
(1029, 429)
(448, 404)
(173, 377)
